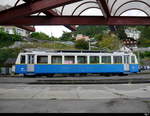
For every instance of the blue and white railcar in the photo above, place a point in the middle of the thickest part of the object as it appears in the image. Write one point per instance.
(71, 62)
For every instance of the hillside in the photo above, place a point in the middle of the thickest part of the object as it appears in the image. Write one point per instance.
(11, 45)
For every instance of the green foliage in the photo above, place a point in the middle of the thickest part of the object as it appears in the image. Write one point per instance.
(67, 36)
(40, 35)
(1, 29)
(8, 53)
(16, 37)
(109, 42)
(144, 40)
(47, 45)
(145, 54)
(121, 32)
(91, 31)
(144, 57)
(7, 39)
(145, 31)
(54, 38)
(82, 44)
(98, 37)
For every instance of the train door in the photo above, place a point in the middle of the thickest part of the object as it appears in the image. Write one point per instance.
(126, 63)
(30, 63)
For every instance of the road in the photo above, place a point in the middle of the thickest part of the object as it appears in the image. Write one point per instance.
(74, 98)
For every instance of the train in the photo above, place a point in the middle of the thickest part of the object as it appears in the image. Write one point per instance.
(75, 62)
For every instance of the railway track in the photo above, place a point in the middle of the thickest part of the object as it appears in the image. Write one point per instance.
(78, 81)
(89, 79)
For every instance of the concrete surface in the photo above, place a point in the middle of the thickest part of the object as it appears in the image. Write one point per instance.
(23, 91)
(92, 98)
(75, 106)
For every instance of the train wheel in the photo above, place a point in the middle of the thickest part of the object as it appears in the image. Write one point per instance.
(72, 75)
(107, 75)
(123, 74)
(83, 74)
(26, 75)
(50, 75)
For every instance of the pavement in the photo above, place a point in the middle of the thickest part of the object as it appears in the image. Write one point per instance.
(80, 92)
(75, 106)
(110, 98)
(73, 98)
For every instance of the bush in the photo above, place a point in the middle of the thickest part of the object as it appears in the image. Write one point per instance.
(67, 36)
(7, 53)
(82, 44)
(109, 42)
(7, 39)
(40, 35)
(16, 37)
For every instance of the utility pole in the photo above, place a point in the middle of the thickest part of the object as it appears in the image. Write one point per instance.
(89, 44)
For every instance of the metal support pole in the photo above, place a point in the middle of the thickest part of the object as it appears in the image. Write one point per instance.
(89, 45)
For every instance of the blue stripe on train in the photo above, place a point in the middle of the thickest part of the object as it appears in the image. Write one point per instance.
(134, 68)
(80, 68)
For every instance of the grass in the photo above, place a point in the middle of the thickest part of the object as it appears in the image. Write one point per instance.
(53, 45)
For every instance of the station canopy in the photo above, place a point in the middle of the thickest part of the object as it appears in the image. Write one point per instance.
(72, 12)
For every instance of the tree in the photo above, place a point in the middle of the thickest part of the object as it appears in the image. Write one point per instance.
(40, 35)
(144, 40)
(67, 36)
(98, 37)
(1, 29)
(82, 44)
(121, 32)
(109, 42)
(91, 31)
(8, 39)
(8, 53)
(52, 38)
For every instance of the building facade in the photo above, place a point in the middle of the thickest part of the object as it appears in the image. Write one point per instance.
(80, 36)
(15, 30)
(132, 37)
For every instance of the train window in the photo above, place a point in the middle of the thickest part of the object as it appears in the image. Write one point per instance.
(133, 59)
(106, 59)
(56, 59)
(42, 59)
(126, 59)
(117, 59)
(82, 59)
(69, 60)
(94, 59)
(22, 59)
(30, 59)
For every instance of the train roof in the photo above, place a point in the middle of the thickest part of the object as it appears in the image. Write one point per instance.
(73, 52)
(67, 51)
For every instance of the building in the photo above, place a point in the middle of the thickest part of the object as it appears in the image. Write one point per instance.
(133, 33)
(15, 30)
(80, 36)
(132, 37)
(130, 43)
